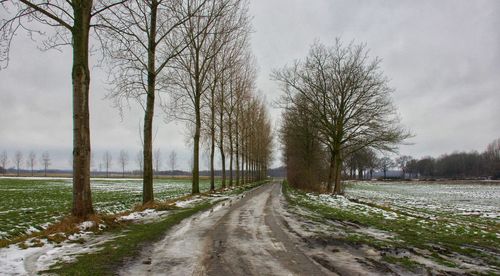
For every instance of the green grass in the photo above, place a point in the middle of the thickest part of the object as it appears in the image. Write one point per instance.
(33, 203)
(404, 262)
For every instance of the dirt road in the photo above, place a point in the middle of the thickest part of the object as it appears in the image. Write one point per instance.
(244, 236)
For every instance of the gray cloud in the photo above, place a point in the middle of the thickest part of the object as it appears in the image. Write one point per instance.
(443, 59)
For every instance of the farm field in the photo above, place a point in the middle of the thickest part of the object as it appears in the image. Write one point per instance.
(29, 204)
(436, 227)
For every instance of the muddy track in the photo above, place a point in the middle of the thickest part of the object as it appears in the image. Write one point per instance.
(241, 237)
(250, 240)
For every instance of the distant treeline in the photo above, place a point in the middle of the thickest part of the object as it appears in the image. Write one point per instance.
(456, 165)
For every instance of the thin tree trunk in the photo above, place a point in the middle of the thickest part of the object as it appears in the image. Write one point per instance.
(221, 144)
(212, 139)
(329, 187)
(231, 153)
(237, 146)
(147, 176)
(82, 198)
(196, 145)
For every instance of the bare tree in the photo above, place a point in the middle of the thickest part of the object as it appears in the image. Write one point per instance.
(143, 38)
(402, 162)
(71, 22)
(123, 161)
(18, 159)
(107, 161)
(202, 33)
(45, 161)
(350, 100)
(139, 159)
(303, 153)
(157, 161)
(385, 164)
(4, 160)
(172, 158)
(493, 155)
(31, 162)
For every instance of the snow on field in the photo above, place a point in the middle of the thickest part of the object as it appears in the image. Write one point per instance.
(28, 204)
(344, 203)
(15, 260)
(30, 261)
(34, 178)
(461, 198)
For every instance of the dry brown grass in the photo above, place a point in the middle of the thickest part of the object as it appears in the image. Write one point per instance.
(61, 230)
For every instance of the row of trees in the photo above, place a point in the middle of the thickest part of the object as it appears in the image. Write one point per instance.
(337, 103)
(195, 53)
(455, 165)
(31, 161)
(458, 165)
(124, 160)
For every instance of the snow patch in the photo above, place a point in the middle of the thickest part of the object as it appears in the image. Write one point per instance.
(147, 214)
(187, 202)
(86, 225)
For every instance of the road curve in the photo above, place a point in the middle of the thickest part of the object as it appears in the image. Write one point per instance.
(244, 237)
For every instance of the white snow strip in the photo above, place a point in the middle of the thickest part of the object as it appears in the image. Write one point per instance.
(147, 214)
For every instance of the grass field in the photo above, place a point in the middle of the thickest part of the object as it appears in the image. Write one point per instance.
(434, 225)
(29, 204)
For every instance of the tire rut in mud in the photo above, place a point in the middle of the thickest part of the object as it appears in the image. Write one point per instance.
(250, 240)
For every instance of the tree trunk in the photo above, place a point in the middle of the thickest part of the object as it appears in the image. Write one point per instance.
(231, 153)
(237, 146)
(221, 144)
(329, 186)
(196, 145)
(338, 174)
(82, 198)
(147, 175)
(212, 140)
(360, 173)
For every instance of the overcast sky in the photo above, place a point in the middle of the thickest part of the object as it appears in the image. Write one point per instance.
(442, 57)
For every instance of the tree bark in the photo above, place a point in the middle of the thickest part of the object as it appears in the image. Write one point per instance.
(147, 176)
(338, 173)
(212, 140)
(82, 198)
(221, 138)
(196, 145)
(237, 146)
(231, 154)
(329, 186)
